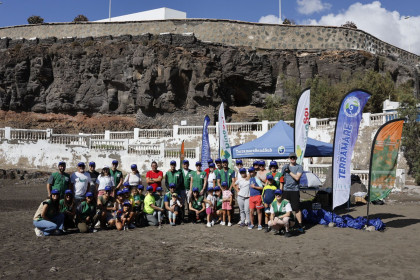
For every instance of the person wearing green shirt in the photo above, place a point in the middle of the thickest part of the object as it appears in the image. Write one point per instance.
(219, 168)
(86, 214)
(68, 208)
(186, 178)
(197, 207)
(277, 176)
(59, 180)
(174, 176)
(226, 175)
(150, 207)
(199, 179)
(281, 212)
(116, 175)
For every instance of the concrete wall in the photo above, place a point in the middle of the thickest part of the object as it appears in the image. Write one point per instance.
(233, 33)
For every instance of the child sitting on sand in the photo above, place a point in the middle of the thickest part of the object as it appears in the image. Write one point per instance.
(218, 214)
(159, 202)
(175, 206)
(124, 217)
(227, 204)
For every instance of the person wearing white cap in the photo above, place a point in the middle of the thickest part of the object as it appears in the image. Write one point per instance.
(80, 181)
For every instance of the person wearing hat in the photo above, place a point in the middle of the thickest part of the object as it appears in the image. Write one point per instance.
(172, 209)
(48, 219)
(159, 202)
(280, 213)
(219, 203)
(292, 173)
(185, 191)
(242, 188)
(226, 175)
(107, 206)
(210, 201)
(255, 201)
(268, 197)
(93, 177)
(125, 216)
(104, 179)
(150, 207)
(197, 207)
(262, 172)
(59, 180)
(256, 165)
(218, 168)
(133, 178)
(154, 177)
(137, 199)
(227, 198)
(199, 179)
(68, 208)
(174, 176)
(211, 177)
(239, 165)
(116, 175)
(80, 181)
(86, 213)
(278, 176)
(207, 170)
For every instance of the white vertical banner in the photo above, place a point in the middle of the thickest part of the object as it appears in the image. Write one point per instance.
(302, 125)
(225, 150)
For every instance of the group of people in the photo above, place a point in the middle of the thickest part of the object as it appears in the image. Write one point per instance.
(89, 200)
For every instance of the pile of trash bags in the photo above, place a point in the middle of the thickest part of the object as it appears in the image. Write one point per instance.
(324, 217)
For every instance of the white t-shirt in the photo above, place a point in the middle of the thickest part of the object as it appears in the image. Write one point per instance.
(288, 208)
(81, 182)
(243, 185)
(104, 181)
(212, 199)
(210, 179)
(171, 203)
(133, 179)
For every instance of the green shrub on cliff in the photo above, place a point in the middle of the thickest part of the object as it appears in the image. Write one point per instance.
(80, 18)
(35, 20)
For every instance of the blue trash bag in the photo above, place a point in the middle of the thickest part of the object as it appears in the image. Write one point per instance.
(377, 223)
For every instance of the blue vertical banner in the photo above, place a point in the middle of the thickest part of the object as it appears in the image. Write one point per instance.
(205, 144)
(345, 136)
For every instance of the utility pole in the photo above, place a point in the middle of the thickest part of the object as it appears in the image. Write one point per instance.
(280, 22)
(109, 10)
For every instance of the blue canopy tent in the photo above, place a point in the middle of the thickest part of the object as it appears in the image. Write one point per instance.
(278, 143)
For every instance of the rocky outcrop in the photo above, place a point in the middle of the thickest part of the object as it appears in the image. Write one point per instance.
(162, 79)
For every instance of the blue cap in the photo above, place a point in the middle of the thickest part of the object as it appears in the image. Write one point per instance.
(126, 184)
(127, 203)
(239, 161)
(217, 188)
(251, 169)
(92, 163)
(185, 161)
(115, 161)
(278, 191)
(224, 160)
(125, 190)
(108, 188)
(172, 185)
(80, 164)
(269, 177)
(55, 192)
(273, 163)
(261, 162)
(173, 162)
(159, 189)
(210, 161)
(198, 163)
(242, 170)
(68, 192)
(256, 162)
(195, 189)
(89, 194)
(210, 189)
(134, 166)
(224, 184)
(149, 188)
(217, 160)
(62, 163)
(120, 193)
(140, 187)
(212, 165)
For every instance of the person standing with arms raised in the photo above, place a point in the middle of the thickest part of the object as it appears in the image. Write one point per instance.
(59, 180)
(154, 176)
(292, 173)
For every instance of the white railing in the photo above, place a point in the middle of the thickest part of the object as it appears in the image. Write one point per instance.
(176, 153)
(69, 139)
(108, 145)
(144, 149)
(244, 127)
(121, 135)
(376, 119)
(96, 136)
(2, 134)
(325, 122)
(273, 123)
(190, 130)
(28, 134)
(363, 174)
(320, 170)
(155, 133)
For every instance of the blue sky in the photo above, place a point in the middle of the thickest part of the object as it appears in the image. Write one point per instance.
(385, 19)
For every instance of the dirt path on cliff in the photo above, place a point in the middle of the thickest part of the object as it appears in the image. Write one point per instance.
(194, 251)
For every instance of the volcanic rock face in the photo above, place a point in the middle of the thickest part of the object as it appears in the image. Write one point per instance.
(162, 79)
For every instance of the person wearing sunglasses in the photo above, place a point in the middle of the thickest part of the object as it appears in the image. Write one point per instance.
(292, 173)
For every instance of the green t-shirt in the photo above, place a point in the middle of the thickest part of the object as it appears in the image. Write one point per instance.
(86, 210)
(197, 204)
(64, 207)
(174, 178)
(60, 182)
(159, 200)
(219, 202)
(148, 200)
(276, 178)
(51, 210)
(198, 179)
(186, 178)
(116, 175)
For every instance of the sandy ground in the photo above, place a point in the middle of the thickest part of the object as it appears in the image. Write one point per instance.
(194, 251)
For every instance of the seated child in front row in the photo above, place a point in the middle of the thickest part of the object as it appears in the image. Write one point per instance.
(175, 206)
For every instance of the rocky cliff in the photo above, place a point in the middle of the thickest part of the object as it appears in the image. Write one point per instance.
(160, 79)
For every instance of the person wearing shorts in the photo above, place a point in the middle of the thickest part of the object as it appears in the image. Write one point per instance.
(227, 204)
(255, 200)
(210, 201)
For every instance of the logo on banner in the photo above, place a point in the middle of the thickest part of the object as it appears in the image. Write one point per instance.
(298, 151)
(281, 150)
(352, 107)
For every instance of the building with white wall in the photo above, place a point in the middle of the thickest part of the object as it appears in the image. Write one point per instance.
(156, 14)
